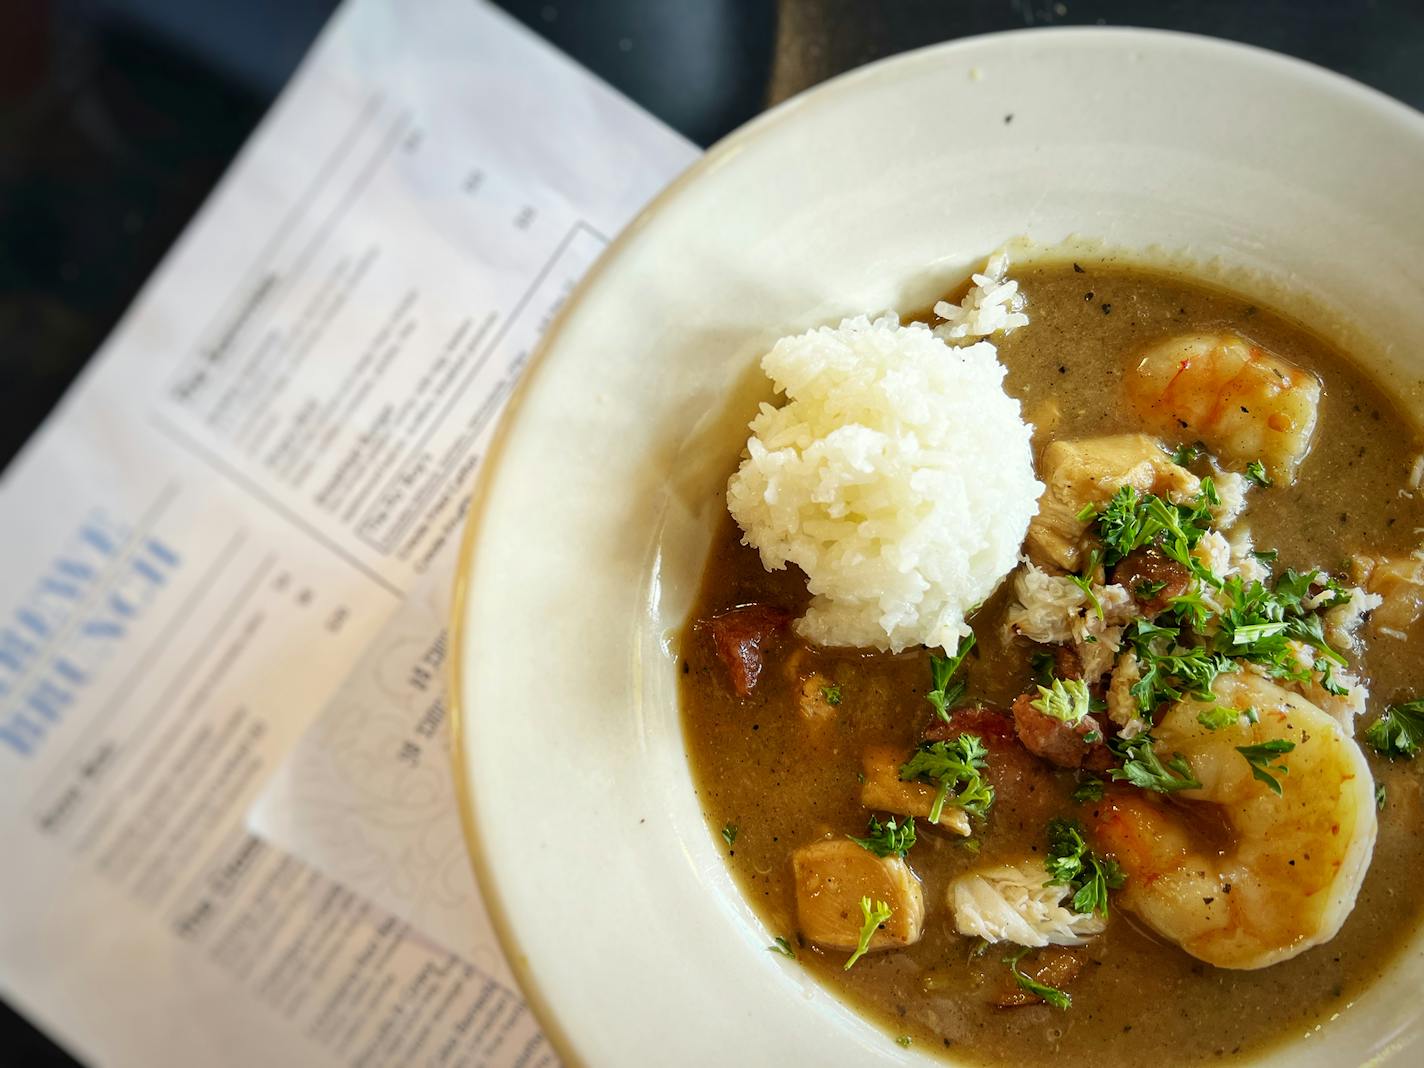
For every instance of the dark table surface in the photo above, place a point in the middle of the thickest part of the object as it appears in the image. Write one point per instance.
(118, 116)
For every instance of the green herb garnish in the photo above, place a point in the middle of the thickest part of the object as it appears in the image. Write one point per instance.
(947, 691)
(1256, 472)
(1142, 767)
(1067, 701)
(1399, 731)
(1148, 589)
(874, 916)
(1218, 718)
(831, 694)
(1072, 864)
(729, 834)
(783, 947)
(1084, 582)
(1260, 755)
(1379, 797)
(1042, 665)
(1131, 521)
(956, 767)
(1328, 682)
(1089, 791)
(1169, 669)
(886, 839)
(1186, 455)
(1059, 999)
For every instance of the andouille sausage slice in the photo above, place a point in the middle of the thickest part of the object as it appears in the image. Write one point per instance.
(740, 636)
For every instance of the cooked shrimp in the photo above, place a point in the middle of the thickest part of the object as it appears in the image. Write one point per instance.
(1245, 403)
(1284, 875)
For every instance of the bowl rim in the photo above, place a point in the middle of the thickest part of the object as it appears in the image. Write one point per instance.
(705, 166)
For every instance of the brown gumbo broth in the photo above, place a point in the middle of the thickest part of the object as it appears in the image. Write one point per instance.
(759, 766)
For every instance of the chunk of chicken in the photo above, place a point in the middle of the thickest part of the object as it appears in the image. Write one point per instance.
(831, 878)
(1245, 403)
(884, 791)
(814, 700)
(1089, 471)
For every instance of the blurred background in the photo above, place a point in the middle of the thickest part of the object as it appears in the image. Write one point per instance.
(117, 117)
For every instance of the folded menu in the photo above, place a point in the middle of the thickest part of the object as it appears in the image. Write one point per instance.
(273, 448)
(367, 796)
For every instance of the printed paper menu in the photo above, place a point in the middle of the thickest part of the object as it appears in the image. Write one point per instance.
(367, 796)
(273, 447)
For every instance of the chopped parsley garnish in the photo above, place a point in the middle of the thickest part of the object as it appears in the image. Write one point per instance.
(1084, 582)
(1132, 520)
(1169, 670)
(1190, 609)
(783, 947)
(1260, 755)
(1072, 864)
(832, 694)
(1399, 731)
(1059, 999)
(1218, 718)
(956, 767)
(874, 915)
(1067, 701)
(1208, 492)
(1088, 791)
(886, 839)
(1042, 665)
(1256, 472)
(1186, 455)
(948, 690)
(729, 834)
(1142, 767)
(1148, 589)
(1328, 682)
(1258, 624)
(1379, 797)
(1266, 556)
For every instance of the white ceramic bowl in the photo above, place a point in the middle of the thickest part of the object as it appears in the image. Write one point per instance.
(591, 524)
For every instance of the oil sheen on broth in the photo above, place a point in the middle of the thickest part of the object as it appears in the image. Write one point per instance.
(1137, 999)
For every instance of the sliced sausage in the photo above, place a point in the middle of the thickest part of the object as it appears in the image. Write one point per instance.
(740, 637)
(1153, 579)
(1064, 744)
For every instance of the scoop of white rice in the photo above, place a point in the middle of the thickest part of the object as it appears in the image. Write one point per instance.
(898, 476)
